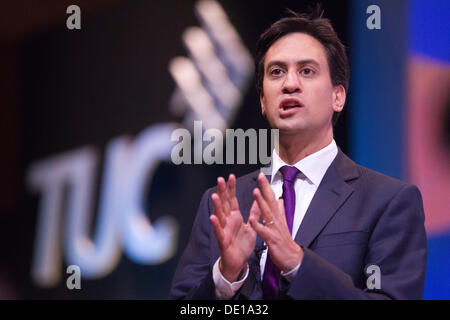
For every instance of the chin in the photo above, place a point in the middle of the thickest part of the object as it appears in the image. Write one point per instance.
(288, 130)
(294, 126)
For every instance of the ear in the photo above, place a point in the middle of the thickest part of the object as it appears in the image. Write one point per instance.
(339, 97)
(263, 104)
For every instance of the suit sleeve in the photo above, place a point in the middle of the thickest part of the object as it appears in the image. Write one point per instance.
(193, 277)
(397, 245)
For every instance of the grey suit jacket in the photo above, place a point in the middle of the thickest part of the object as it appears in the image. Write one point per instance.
(358, 218)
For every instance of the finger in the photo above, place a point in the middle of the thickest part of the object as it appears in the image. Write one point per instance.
(231, 192)
(262, 205)
(255, 213)
(267, 192)
(260, 229)
(218, 210)
(222, 192)
(218, 231)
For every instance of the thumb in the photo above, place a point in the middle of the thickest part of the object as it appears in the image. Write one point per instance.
(255, 213)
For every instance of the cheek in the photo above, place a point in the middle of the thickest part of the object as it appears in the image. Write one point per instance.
(267, 100)
(262, 101)
(322, 97)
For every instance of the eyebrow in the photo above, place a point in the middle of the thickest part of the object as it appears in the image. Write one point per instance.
(299, 63)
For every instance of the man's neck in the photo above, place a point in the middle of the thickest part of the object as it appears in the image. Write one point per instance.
(293, 148)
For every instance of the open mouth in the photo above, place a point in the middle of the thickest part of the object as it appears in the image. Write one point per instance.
(288, 104)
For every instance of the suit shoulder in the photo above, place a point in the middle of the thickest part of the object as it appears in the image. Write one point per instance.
(380, 181)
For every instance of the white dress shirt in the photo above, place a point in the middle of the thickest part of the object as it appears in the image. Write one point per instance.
(312, 169)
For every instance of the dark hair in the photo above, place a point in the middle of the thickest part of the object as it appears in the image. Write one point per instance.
(319, 28)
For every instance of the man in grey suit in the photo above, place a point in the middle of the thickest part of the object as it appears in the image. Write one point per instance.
(319, 226)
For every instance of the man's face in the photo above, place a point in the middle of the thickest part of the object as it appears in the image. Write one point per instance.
(297, 95)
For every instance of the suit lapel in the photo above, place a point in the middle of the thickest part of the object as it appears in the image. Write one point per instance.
(332, 192)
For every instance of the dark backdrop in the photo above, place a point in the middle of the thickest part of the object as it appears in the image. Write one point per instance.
(109, 79)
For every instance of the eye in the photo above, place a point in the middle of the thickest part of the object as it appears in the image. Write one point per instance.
(307, 71)
(276, 72)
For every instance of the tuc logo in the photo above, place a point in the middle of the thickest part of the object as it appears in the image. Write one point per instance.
(129, 168)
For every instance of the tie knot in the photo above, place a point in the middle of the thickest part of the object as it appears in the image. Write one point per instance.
(289, 173)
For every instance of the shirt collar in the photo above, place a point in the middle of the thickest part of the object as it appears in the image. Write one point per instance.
(313, 166)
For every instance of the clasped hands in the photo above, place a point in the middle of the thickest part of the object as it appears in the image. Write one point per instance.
(236, 239)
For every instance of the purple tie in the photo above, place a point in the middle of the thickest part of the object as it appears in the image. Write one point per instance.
(272, 274)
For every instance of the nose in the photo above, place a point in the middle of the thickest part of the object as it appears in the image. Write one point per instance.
(291, 83)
